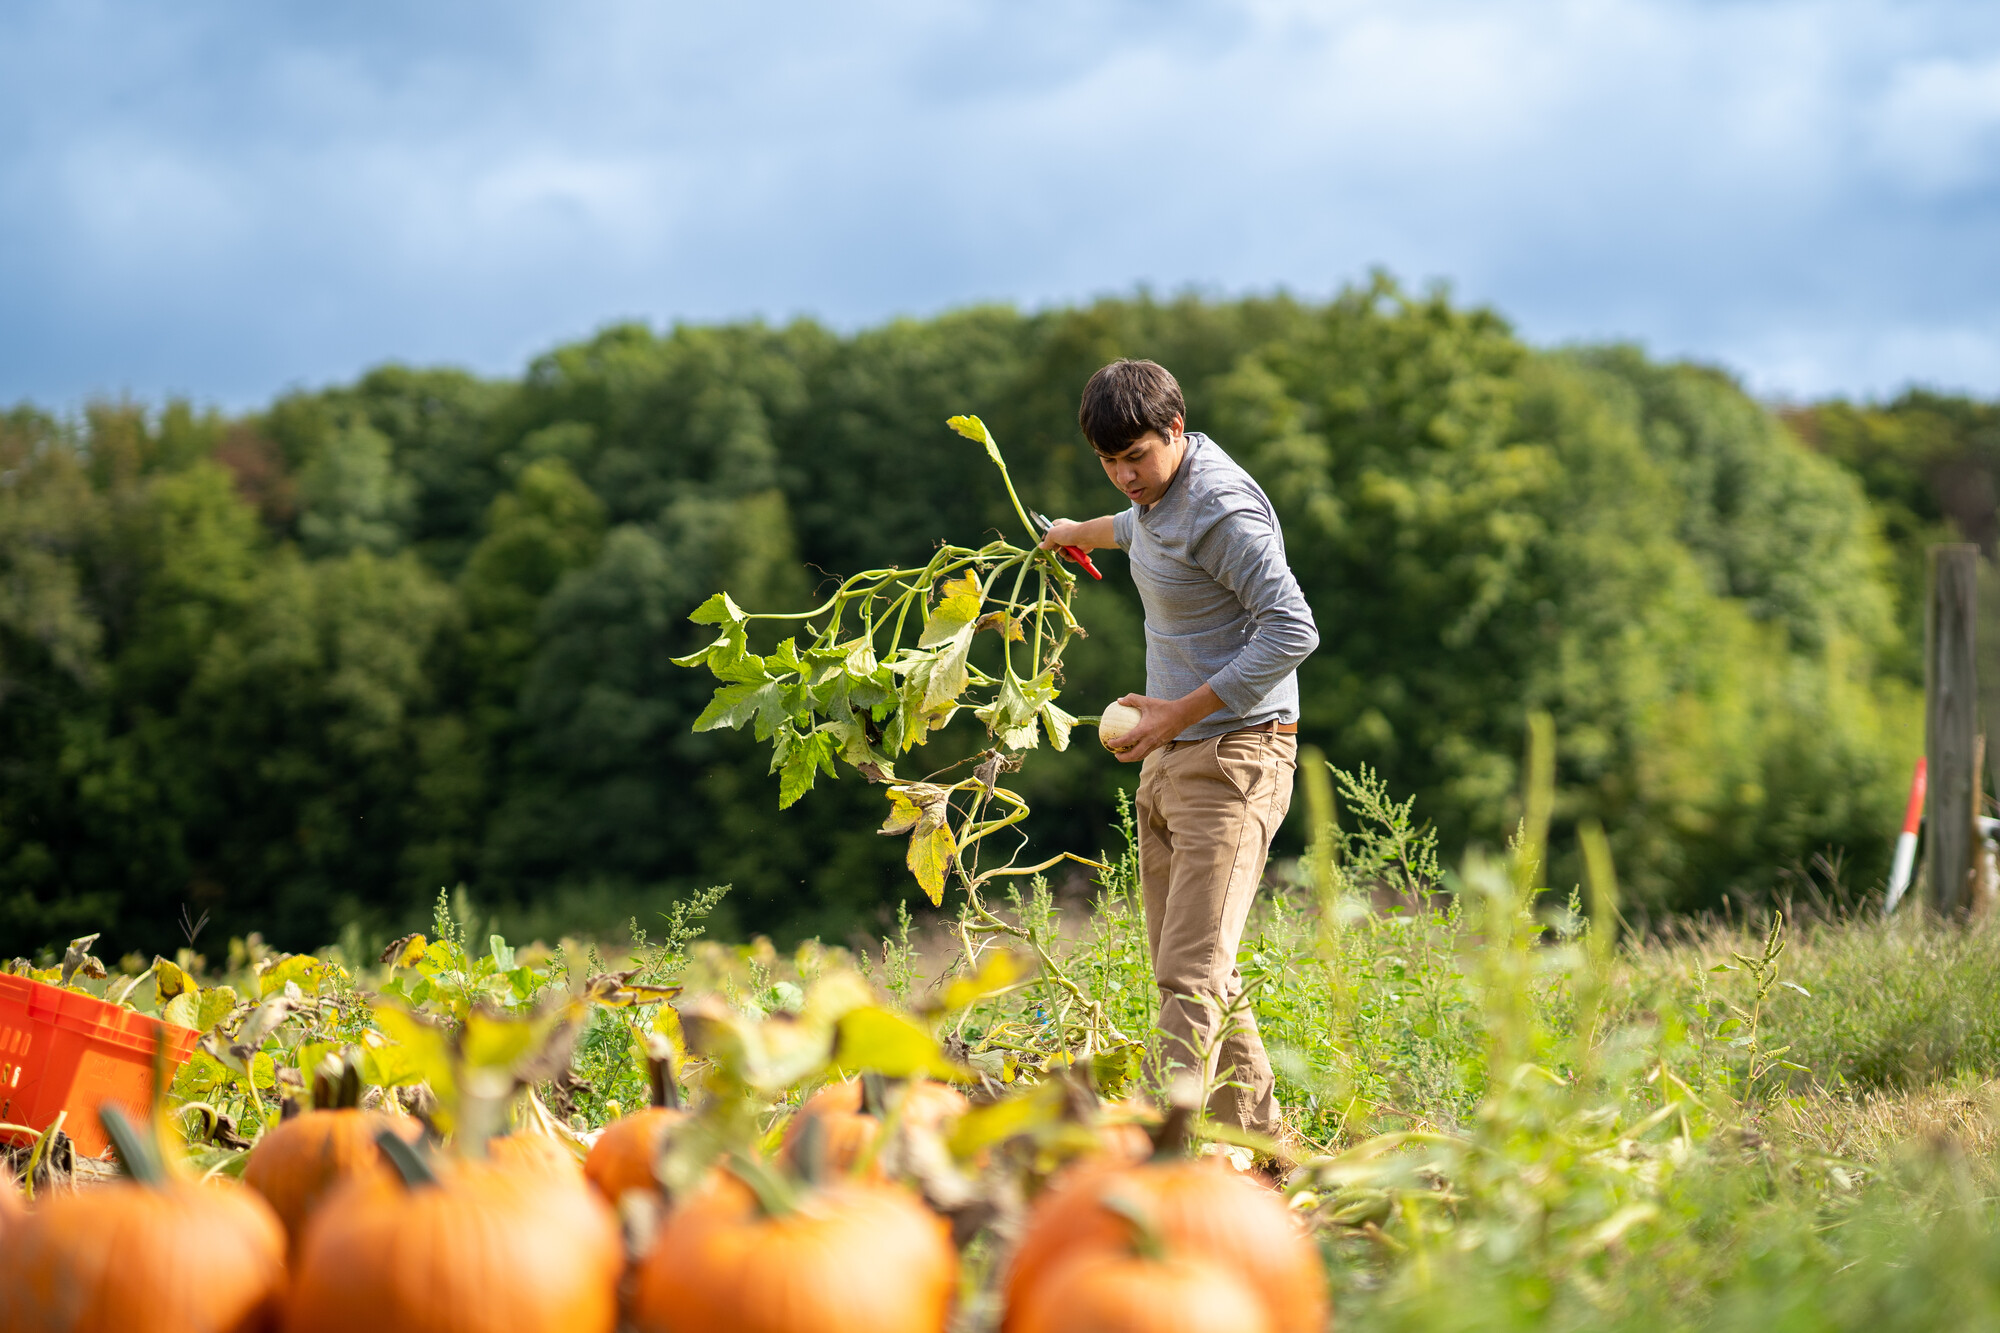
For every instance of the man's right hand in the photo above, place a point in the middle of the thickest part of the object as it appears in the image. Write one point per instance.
(1094, 534)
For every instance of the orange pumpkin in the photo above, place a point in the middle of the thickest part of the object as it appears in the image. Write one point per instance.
(154, 1253)
(853, 1256)
(850, 1115)
(458, 1247)
(1200, 1208)
(622, 1158)
(1120, 1134)
(535, 1151)
(1110, 1292)
(298, 1161)
(11, 1205)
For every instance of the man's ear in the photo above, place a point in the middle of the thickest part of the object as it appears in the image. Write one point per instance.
(1178, 429)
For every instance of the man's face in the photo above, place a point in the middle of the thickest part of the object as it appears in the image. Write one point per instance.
(1146, 467)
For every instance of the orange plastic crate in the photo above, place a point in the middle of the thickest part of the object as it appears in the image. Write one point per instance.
(61, 1051)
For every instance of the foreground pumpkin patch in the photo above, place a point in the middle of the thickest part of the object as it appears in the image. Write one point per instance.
(156, 1255)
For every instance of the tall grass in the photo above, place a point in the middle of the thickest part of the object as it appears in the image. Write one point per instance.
(1510, 1124)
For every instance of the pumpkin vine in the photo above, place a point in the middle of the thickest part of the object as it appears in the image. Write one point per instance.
(884, 662)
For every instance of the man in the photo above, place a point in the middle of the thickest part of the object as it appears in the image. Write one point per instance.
(1226, 628)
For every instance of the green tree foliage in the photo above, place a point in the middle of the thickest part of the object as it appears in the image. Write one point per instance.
(307, 666)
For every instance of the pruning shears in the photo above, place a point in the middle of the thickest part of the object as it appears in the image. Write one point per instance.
(1076, 553)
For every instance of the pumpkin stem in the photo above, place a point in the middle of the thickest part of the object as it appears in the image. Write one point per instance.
(135, 1153)
(809, 1151)
(1170, 1140)
(337, 1083)
(874, 1094)
(774, 1195)
(409, 1163)
(1146, 1240)
(666, 1088)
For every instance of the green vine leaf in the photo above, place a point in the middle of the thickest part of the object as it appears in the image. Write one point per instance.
(848, 685)
(732, 706)
(1011, 716)
(1058, 724)
(798, 759)
(719, 610)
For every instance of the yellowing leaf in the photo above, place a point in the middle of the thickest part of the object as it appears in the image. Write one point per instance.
(492, 1042)
(929, 859)
(1040, 1108)
(1008, 627)
(309, 1054)
(184, 1010)
(408, 1050)
(956, 611)
(389, 1065)
(1116, 1066)
(904, 813)
(216, 1005)
(972, 428)
(999, 971)
(202, 1074)
(872, 1037)
(310, 974)
(171, 979)
(667, 1023)
(404, 952)
(949, 674)
(923, 810)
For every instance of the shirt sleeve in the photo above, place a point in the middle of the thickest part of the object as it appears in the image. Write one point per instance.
(1121, 527)
(1245, 553)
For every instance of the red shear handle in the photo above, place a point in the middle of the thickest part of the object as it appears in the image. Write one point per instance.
(1082, 557)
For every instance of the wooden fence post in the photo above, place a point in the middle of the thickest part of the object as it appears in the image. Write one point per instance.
(1951, 722)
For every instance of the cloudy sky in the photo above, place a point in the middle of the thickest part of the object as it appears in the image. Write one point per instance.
(225, 199)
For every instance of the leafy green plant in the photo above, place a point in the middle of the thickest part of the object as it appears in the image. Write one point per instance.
(856, 693)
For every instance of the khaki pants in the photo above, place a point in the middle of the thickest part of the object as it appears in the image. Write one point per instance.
(1207, 811)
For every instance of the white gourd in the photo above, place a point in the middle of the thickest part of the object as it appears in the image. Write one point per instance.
(1117, 720)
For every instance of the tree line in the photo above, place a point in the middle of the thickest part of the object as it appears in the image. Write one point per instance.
(299, 669)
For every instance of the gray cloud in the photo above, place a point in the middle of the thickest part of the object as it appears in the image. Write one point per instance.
(222, 199)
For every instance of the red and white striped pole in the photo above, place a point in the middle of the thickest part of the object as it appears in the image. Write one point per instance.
(1906, 841)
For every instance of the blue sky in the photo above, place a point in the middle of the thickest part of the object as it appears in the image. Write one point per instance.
(227, 199)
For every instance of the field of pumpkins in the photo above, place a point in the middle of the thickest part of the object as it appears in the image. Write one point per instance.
(387, 1149)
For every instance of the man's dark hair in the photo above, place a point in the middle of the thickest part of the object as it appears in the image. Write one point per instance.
(1125, 400)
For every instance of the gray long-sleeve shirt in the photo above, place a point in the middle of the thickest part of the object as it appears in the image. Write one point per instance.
(1221, 603)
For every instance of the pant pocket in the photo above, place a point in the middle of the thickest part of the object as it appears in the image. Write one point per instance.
(1244, 763)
